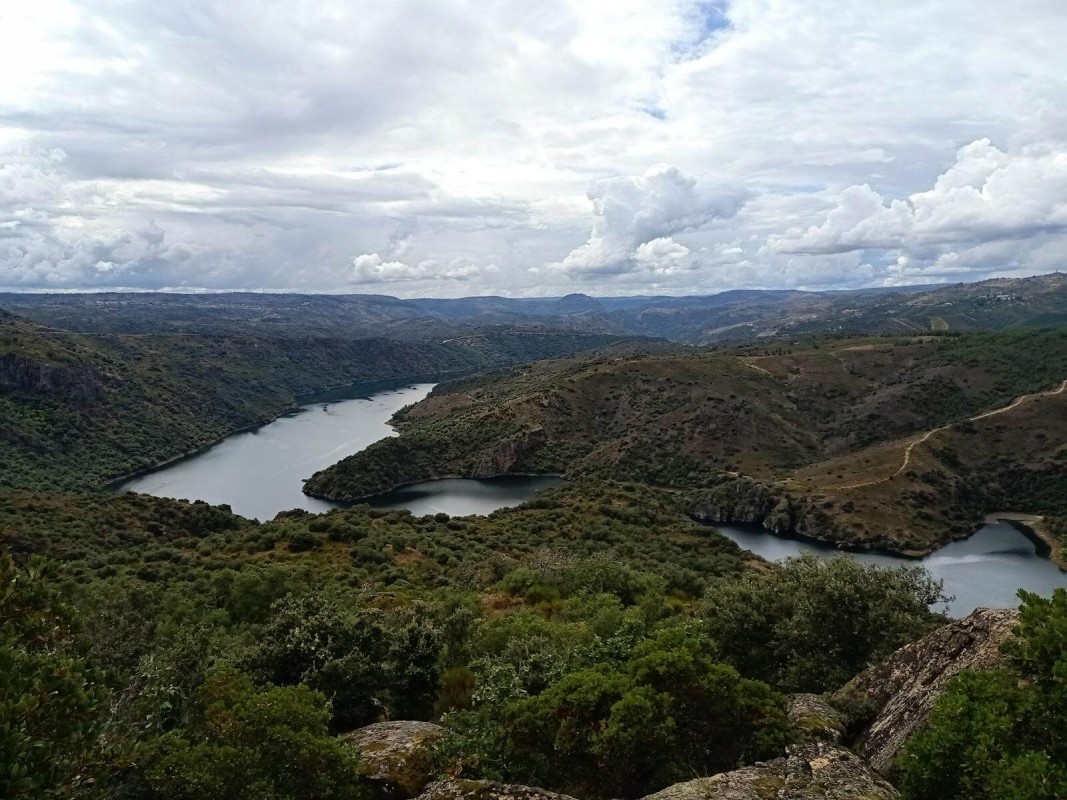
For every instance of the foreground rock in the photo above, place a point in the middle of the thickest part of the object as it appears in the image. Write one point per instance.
(903, 689)
(819, 770)
(816, 718)
(397, 754)
(486, 790)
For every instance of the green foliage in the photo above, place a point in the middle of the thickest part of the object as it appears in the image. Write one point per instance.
(664, 711)
(370, 664)
(249, 743)
(77, 410)
(50, 702)
(1000, 735)
(812, 624)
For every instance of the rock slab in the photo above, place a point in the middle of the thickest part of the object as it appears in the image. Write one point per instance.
(820, 770)
(904, 688)
(486, 790)
(397, 753)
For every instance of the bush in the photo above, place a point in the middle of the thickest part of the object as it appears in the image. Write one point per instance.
(812, 624)
(49, 700)
(1000, 735)
(244, 743)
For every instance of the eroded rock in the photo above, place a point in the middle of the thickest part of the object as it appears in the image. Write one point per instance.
(397, 753)
(902, 690)
(816, 718)
(812, 770)
(486, 790)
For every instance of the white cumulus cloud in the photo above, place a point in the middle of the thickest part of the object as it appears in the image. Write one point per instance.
(986, 195)
(634, 218)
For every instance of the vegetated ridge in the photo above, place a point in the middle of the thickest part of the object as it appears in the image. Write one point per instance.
(902, 443)
(727, 317)
(78, 410)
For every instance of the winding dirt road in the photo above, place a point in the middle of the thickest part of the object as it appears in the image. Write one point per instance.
(1018, 401)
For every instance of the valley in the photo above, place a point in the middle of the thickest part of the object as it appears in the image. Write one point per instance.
(424, 577)
(902, 444)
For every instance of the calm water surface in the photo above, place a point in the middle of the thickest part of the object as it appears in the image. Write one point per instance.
(261, 472)
(985, 570)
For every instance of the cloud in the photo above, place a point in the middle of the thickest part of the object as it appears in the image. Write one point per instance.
(663, 256)
(634, 217)
(268, 143)
(372, 268)
(987, 195)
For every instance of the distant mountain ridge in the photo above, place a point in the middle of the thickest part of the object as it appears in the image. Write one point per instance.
(731, 316)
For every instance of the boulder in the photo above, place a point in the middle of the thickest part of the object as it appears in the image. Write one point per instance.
(815, 718)
(486, 790)
(901, 691)
(397, 754)
(811, 770)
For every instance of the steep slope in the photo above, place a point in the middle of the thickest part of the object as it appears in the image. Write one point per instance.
(836, 440)
(902, 690)
(78, 410)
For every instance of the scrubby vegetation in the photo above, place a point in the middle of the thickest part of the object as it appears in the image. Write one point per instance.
(596, 641)
(999, 735)
(553, 639)
(811, 437)
(78, 410)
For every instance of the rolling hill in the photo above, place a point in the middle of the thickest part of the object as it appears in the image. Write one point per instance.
(79, 410)
(782, 436)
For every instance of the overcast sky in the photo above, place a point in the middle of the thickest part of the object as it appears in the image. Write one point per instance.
(445, 148)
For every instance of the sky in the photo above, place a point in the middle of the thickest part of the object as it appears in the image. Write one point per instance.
(450, 148)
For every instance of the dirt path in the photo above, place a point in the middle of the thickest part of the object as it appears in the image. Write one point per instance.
(758, 369)
(1018, 401)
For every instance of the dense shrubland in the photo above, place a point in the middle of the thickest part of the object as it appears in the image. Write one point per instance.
(595, 629)
(79, 410)
(1000, 735)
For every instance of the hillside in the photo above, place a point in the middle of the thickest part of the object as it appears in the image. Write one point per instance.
(779, 436)
(80, 410)
(727, 317)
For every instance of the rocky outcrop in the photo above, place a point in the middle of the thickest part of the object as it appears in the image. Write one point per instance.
(815, 718)
(397, 754)
(505, 456)
(739, 500)
(903, 689)
(813, 770)
(486, 790)
(77, 381)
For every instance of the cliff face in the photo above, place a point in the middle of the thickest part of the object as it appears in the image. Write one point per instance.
(904, 688)
(78, 382)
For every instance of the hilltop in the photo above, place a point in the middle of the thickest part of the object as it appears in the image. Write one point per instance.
(810, 438)
(745, 315)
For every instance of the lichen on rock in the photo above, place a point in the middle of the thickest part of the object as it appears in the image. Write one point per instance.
(902, 690)
(486, 790)
(811, 770)
(397, 754)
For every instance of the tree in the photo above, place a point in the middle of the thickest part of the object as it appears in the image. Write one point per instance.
(367, 662)
(49, 700)
(811, 624)
(1000, 735)
(668, 713)
(244, 743)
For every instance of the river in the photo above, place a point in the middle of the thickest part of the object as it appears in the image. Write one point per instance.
(259, 473)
